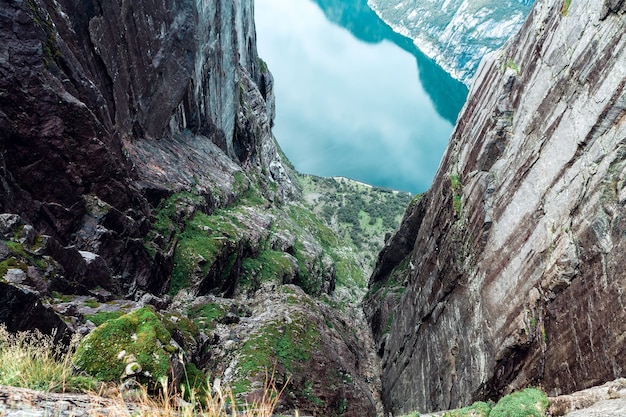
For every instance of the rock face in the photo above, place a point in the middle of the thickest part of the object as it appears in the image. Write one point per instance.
(137, 159)
(316, 352)
(455, 33)
(107, 108)
(514, 257)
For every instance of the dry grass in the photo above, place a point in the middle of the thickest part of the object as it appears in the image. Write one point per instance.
(32, 360)
(218, 402)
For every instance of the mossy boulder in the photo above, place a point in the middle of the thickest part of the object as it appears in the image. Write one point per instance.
(142, 336)
(311, 351)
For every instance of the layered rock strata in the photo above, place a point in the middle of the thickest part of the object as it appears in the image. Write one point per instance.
(514, 257)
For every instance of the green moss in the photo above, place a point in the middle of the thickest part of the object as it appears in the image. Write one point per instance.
(140, 333)
(92, 303)
(62, 298)
(269, 265)
(278, 344)
(102, 317)
(207, 315)
(186, 326)
(195, 381)
(170, 216)
(203, 238)
(455, 185)
(310, 283)
(307, 393)
(11, 263)
(512, 65)
(23, 257)
(531, 402)
(307, 221)
(478, 409)
(49, 46)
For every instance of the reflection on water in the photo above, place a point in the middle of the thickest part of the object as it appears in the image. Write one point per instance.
(351, 102)
(448, 95)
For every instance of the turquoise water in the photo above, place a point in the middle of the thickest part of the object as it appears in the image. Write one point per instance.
(353, 98)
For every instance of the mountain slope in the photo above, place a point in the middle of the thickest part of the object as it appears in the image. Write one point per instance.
(140, 182)
(512, 259)
(455, 33)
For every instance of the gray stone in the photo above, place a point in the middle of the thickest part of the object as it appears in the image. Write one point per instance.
(518, 275)
(9, 223)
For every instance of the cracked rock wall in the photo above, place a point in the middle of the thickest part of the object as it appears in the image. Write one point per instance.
(106, 107)
(516, 254)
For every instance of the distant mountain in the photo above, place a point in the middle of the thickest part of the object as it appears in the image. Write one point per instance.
(455, 33)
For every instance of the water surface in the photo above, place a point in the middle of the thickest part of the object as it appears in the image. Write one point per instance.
(350, 99)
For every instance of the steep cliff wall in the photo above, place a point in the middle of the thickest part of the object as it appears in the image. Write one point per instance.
(455, 33)
(514, 258)
(107, 107)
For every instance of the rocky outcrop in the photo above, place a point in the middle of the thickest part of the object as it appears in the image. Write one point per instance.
(118, 106)
(315, 352)
(514, 273)
(455, 33)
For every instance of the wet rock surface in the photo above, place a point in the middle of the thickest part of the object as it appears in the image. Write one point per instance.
(516, 277)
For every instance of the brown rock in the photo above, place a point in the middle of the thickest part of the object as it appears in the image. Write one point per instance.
(518, 278)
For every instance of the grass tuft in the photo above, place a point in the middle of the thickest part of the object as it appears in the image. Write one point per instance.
(531, 402)
(33, 360)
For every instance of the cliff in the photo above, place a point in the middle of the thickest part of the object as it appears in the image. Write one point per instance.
(512, 261)
(140, 182)
(455, 33)
(115, 106)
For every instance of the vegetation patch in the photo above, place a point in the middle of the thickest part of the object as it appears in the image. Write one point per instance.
(169, 218)
(565, 7)
(269, 265)
(102, 317)
(33, 360)
(11, 263)
(531, 402)
(478, 409)
(92, 303)
(455, 185)
(359, 215)
(281, 345)
(207, 315)
(201, 242)
(141, 334)
(512, 65)
(20, 259)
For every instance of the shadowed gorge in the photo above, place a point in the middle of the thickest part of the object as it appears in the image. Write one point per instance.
(510, 260)
(154, 231)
